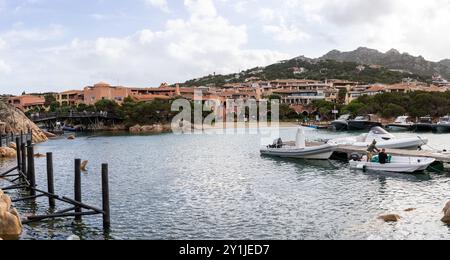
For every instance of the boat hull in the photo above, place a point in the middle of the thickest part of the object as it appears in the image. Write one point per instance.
(322, 152)
(362, 125)
(423, 127)
(399, 165)
(399, 127)
(441, 128)
(340, 125)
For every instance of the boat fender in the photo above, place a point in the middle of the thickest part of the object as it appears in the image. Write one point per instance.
(364, 168)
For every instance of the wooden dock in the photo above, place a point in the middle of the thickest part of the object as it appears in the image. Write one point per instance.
(440, 157)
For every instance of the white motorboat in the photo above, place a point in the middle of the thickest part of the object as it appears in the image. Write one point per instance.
(301, 149)
(402, 123)
(399, 164)
(384, 140)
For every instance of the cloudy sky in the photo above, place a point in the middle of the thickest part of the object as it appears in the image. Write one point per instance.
(53, 45)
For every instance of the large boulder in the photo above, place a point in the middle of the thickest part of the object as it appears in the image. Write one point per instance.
(6, 152)
(10, 223)
(135, 129)
(15, 121)
(446, 218)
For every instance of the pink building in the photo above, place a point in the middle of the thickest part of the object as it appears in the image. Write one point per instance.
(102, 91)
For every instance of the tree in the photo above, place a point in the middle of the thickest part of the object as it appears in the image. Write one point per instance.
(342, 96)
(49, 99)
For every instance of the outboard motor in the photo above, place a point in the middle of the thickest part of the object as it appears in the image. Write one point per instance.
(355, 157)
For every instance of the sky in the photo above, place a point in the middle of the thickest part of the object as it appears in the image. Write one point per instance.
(56, 45)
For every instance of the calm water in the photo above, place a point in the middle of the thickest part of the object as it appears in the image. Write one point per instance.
(219, 187)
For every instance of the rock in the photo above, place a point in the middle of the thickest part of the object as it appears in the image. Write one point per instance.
(447, 207)
(14, 120)
(135, 129)
(12, 146)
(50, 135)
(84, 165)
(71, 137)
(147, 129)
(39, 155)
(10, 223)
(73, 238)
(446, 218)
(6, 152)
(390, 218)
(410, 209)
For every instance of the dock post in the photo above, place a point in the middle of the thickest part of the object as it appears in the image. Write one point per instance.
(105, 198)
(78, 187)
(19, 159)
(1, 140)
(24, 158)
(21, 137)
(50, 180)
(31, 170)
(12, 137)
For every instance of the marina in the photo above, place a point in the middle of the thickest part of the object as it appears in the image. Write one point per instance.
(233, 191)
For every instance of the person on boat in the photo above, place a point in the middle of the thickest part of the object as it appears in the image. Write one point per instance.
(371, 150)
(280, 143)
(383, 157)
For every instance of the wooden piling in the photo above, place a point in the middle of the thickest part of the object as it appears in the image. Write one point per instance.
(105, 197)
(50, 180)
(78, 188)
(1, 140)
(23, 152)
(19, 158)
(31, 171)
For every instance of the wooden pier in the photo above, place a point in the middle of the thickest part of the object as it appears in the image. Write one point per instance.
(440, 157)
(23, 177)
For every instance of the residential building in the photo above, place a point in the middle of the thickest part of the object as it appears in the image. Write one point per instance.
(27, 102)
(70, 98)
(102, 91)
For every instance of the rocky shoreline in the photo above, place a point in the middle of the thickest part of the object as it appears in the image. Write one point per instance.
(10, 223)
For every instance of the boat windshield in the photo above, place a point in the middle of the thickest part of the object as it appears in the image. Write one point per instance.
(445, 119)
(344, 117)
(426, 120)
(361, 118)
(379, 131)
(402, 119)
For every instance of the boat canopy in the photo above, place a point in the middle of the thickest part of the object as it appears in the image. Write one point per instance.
(402, 119)
(377, 133)
(344, 117)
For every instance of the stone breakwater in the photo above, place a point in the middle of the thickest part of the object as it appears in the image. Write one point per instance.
(15, 121)
(10, 223)
(157, 128)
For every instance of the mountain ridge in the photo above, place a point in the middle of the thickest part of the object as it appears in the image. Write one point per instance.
(363, 65)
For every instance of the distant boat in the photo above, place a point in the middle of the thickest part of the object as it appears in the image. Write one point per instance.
(341, 124)
(301, 150)
(402, 123)
(362, 123)
(425, 124)
(77, 128)
(443, 126)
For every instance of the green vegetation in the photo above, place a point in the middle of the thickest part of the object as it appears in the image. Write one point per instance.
(313, 70)
(389, 105)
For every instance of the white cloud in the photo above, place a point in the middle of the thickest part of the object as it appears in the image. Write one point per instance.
(18, 35)
(4, 68)
(161, 4)
(203, 43)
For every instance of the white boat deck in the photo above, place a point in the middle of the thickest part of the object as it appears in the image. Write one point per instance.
(440, 157)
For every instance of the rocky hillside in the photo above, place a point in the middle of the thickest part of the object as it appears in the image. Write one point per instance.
(304, 68)
(363, 65)
(13, 120)
(392, 59)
